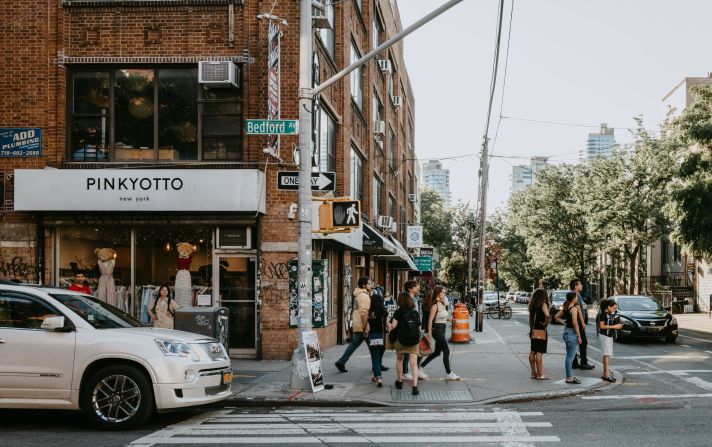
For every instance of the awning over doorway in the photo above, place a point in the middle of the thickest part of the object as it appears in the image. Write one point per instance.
(375, 243)
(401, 260)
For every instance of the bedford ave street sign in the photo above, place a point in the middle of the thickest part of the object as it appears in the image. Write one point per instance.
(272, 127)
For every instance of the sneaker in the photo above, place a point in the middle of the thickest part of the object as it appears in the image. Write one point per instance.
(452, 376)
(407, 376)
(587, 366)
(422, 375)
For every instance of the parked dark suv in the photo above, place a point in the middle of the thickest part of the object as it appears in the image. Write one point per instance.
(643, 317)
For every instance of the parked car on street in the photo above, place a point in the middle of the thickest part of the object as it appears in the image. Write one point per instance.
(490, 298)
(643, 317)
(557, 299)
(66, 350)
(511, 296)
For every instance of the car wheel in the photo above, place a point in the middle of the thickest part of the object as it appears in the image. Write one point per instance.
(671, 339)
(117, 398)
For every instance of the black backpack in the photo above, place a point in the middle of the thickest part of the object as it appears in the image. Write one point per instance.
(409, 329)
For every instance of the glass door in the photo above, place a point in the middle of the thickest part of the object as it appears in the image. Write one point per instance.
(234, 288)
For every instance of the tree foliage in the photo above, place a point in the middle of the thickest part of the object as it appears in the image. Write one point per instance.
(437, 231)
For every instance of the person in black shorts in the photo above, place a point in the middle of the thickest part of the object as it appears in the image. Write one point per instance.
(538, 320)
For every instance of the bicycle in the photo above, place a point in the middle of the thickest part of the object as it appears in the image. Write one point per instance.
(499, 311)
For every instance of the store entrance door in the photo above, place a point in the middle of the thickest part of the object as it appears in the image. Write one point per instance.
(236, 291)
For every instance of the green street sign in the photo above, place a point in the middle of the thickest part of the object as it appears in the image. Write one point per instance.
(423, 263)
(272, 127)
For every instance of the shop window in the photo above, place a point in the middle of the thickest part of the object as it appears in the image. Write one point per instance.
(151, 114)
(157, 256)
(77, 254)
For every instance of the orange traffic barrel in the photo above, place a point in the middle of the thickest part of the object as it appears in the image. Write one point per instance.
(460, 324)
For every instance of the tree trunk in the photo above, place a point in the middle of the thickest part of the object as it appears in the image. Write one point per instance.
(633, 268)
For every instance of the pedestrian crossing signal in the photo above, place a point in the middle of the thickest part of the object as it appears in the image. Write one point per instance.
(340, 215)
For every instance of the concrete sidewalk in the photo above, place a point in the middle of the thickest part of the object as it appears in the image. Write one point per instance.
(696, 322)
(494, 368)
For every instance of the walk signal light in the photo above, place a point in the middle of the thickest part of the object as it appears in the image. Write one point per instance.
(339, 215)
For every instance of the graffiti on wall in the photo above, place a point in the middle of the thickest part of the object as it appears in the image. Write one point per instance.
(275, 270)
(17, 268)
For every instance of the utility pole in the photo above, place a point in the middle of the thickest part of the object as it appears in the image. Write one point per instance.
(468, 284)
(304, 238)
(484, 174)
(306, 97)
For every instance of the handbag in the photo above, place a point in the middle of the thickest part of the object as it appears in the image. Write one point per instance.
(538, 334)
(425, 347)
(375, 341)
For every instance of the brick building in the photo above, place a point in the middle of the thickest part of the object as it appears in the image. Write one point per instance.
(137, 155)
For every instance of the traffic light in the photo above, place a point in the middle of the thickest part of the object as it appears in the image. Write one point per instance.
(339, 215)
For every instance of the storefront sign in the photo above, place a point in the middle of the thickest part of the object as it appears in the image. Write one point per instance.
(21, 142)
(234, 237)
(415, 236)
(139, 190)
(426, 251)
(274, 87)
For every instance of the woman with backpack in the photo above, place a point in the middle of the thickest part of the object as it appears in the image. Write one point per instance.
(437, 324)
(569, 315)
(376, 329)
(406, 331)
(163, 308)
(538, 321)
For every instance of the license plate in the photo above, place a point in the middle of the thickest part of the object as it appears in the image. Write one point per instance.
(654, 329)
(226, 378)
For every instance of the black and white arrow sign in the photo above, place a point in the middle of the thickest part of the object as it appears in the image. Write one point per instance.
(320, 181)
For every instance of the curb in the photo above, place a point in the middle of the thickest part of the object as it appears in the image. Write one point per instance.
(247, 402)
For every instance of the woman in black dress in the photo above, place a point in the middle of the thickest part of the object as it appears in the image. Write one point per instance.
(538, 320)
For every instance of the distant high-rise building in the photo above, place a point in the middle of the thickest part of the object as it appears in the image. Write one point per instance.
(600, 144)
(438, 179)
(523, 175)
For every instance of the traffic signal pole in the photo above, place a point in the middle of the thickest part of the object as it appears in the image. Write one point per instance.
(306, 98)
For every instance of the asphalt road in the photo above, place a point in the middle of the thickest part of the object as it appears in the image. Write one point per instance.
(665, 400)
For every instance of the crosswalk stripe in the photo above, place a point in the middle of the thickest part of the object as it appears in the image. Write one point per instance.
(358, 439)
(349, 427)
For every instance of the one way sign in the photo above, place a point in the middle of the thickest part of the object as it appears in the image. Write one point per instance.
(320, 181)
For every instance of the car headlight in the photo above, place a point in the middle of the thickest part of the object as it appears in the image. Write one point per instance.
(673, 321)
(173, 348)
(627, 321)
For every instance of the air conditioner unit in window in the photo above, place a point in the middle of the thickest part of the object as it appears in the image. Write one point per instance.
(379, 127)
(384, 221)
(397, 101)
(413, 198)
(385, 66)
(320, 16)
(394, 227)
(360, 262)
(218, 74)
(379, 143)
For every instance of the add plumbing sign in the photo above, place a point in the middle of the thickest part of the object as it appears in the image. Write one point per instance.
(21, 142)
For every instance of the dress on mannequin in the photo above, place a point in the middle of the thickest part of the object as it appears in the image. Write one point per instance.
(106, 291)
(183, 286)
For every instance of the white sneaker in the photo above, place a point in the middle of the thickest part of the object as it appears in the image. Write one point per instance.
(452, 376)
(422, 375)
(407, 376)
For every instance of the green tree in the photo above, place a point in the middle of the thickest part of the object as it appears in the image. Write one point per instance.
(691, 192)
(436, 223)
(516, 268)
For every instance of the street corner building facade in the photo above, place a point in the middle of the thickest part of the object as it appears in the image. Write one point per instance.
(125, 155)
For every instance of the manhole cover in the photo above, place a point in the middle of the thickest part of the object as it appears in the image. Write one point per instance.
(439, 396)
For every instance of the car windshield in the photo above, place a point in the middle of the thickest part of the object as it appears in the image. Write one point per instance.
(558, 296)
(96, 312)
(638, 304)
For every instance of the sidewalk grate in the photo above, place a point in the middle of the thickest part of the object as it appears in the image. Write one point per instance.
(436, 396)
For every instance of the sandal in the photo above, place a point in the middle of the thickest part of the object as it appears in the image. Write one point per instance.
(543, 378)
(533, 376)
(609, 379)
(575, 381)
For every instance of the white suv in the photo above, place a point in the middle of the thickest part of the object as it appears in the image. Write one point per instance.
(66, 350)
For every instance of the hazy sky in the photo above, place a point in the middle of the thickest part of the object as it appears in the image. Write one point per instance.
(570, 61)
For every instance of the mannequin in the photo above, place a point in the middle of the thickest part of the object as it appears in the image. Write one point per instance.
(184, 286)
(106, 290)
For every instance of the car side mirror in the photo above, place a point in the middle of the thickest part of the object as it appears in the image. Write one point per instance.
(55, 324)
(668, 308)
